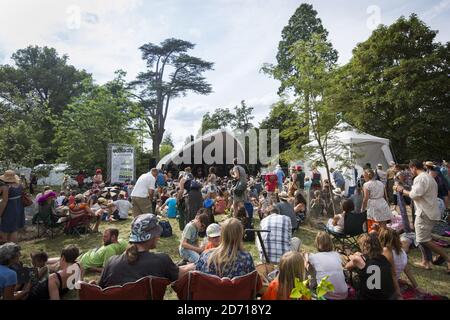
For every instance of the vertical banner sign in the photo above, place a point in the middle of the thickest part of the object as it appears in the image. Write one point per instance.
(122, 163)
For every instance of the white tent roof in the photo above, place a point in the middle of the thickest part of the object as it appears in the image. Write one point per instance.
(346, 134)
(171, 157)
(344, 139)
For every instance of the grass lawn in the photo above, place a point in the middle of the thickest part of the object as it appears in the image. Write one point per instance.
(435, 281)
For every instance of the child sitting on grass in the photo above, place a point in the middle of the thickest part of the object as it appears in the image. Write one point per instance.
(39, 262)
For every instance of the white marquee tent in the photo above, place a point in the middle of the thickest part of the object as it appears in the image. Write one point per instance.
(352, 146)
(223, 141)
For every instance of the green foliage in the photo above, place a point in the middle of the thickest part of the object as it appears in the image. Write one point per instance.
(301, 26)
(41, 83)
(396, 86)
(101, 116)
(165, 149)
(223, 117)
(284, 117)
(301, 290)
(168, 140)
(156, 88)
(19, 143)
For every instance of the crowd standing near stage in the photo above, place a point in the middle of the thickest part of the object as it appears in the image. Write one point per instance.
(402, 207)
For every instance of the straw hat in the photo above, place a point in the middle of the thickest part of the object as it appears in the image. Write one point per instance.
(283, 195)
(10, 177)
(429, 164)
(338, 192)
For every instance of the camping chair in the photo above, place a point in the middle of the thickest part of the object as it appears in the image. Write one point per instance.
(47, 224)
(353, 227)
(146, 288)
(197, 285)
(78, 225)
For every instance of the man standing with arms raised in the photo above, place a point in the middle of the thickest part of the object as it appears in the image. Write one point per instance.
(143, 192)
(424, 192)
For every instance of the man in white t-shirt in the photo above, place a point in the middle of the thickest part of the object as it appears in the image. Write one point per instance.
(143, 191)
(424, 193)
(123, 206)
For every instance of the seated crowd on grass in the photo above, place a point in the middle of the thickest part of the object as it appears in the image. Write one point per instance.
(282, 205)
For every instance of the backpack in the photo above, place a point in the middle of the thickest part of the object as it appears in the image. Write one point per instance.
(167, 228)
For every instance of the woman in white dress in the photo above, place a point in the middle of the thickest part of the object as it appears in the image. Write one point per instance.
(378, 211)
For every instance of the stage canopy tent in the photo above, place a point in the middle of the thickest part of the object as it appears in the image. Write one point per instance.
(346, 145)
(231, 148)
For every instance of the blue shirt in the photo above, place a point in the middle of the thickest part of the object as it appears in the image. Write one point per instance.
(8, 278)
(280, 176)
(338, 178)
(171, 207)
(242, 266)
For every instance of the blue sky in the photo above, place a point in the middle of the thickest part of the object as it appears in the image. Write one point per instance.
(102, 36)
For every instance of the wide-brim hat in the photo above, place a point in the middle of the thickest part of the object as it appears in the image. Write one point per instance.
(429, 164)
(46, 196)
(10, 177)
(283, 195)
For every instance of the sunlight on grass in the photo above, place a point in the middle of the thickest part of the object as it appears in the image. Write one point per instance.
(435, 281)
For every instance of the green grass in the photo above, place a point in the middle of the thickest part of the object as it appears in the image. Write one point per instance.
(435, 281)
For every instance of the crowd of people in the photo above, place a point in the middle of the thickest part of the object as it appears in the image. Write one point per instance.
(281, 200)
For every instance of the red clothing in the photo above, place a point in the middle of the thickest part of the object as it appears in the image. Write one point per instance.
(271, 182)
(71, 200)
(220, 205)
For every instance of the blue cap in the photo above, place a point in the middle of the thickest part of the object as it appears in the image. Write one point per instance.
(208, 203)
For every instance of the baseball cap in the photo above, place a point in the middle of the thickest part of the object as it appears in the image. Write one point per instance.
(144, 227)
(213, 230)
(208, 203)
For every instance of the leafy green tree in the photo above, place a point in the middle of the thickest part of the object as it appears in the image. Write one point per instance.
(103, 115)
(220, 118)
(165, 149)
(43, 83)
(242, 117)
(168, 140)
(285, 117)
(171, 73)
(396, 86)
(19, 144)
(301, 26)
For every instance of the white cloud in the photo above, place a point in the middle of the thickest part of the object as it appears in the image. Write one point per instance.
(237, 35)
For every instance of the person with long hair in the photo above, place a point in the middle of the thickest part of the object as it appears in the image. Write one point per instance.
(229, 259)
(393, 251)
(292, 266)
(376, 277)
(137, 261)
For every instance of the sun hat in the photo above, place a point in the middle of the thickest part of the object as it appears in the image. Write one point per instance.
(145, 227)
(429, 164)
(46, 196)
(213, 230)
(338, 192)
(283, 195)
(102, 201)
(10, 177)
(379, 165)
(79, 197)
